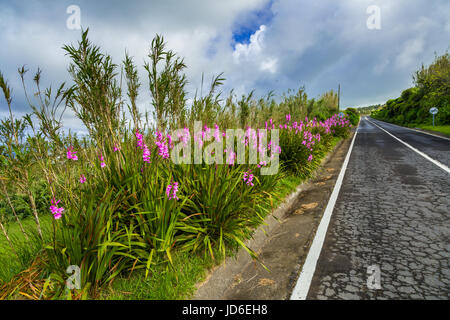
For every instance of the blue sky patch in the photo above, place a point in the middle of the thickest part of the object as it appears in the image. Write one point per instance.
(245, 25)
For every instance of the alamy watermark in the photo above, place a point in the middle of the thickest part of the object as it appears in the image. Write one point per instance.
(374, 277)
(74, 280)
(73, 22)
(374, 20)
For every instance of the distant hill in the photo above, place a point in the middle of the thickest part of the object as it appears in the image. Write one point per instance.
(368, 110)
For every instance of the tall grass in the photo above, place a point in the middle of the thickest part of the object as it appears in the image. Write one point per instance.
(119, 202)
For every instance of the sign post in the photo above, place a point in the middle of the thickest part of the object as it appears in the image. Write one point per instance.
(433, 111)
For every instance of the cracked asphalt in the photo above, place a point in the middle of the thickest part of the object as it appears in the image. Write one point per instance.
(391, 215)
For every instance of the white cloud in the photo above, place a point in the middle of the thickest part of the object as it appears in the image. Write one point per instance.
(270, 65)
(409, 53)
(244, 51)
(254, 52)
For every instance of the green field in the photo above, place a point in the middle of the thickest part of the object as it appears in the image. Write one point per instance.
(10, 263)
(441, 129)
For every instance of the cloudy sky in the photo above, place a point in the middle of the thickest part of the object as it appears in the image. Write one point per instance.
(258, 44)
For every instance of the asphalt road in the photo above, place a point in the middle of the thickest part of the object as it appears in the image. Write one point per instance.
(389, 234)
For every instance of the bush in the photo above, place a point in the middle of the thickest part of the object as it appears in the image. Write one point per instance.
(352, 115)
(303, 144)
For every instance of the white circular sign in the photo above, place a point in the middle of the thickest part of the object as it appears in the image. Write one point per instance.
(434, 110)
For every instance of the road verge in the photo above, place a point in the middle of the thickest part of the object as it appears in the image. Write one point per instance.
(281, 242)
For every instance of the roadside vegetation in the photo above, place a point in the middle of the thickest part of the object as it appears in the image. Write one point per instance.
(368, 110)
(431, 89)
(353, 115)
(441, 129)
(115, 204)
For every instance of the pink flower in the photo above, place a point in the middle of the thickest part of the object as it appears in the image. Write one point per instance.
(140, 139)
(216, 132)
(82, 179)
(116, 148)
(163, 149)
(71, 154)
(185, 136)
(231, 157)
(102, 164)
(288, 117)
(310, 158)
(262, 164)
(171, 191)
(248, 177)
(57, 212)
(146, 154)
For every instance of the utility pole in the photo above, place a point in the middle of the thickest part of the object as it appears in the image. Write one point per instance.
(339, 95)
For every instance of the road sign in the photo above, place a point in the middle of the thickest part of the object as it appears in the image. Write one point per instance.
(341, 114)
(433, 111)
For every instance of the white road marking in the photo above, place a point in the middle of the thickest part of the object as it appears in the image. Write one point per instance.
(420, 131)
(309, 267)
(440, 165)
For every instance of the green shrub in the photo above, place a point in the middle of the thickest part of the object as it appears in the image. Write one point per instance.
(352, 115)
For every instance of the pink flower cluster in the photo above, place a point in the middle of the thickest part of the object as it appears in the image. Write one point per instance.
(185, 136)
(333, 122)
(262, 164)
(271, 124)
(231, 158)
(140, 139)
(217, 133)
(304, 129)
(57, 212)
(71, 154)
(102, 161)
(288, 117)
(328, 124)
(163, 146)
(146, 154)
(248, 178)
(145, 150)
(171, 191)
(275, 148)
(310, 139)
